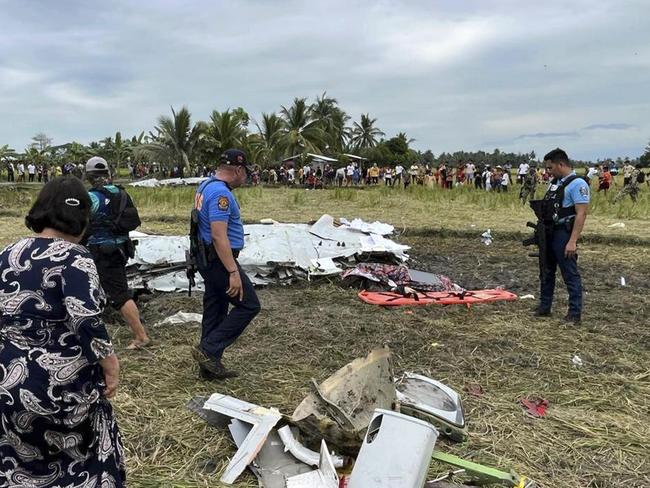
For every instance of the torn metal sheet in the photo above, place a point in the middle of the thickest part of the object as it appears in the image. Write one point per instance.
(303, 453)
(262, 420)
(275, 253)
(373, 228)
(324, 477)
(396, 452)
(434, 402)
(356, 390)
(273, 464)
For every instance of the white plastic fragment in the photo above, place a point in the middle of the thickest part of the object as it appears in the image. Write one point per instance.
(486, 237)
(324, 477)
(181, 318)
(262, 420)
(617, 225)
(527, 297)
(577, 361)
(303, 453)
(623, 282)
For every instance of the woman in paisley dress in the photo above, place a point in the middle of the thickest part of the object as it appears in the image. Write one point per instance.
(57, 365)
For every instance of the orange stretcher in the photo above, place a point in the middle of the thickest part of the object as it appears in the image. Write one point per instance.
(467, 297)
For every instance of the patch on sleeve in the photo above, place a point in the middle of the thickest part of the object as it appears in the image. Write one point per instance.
(223, 203)
(584, 191)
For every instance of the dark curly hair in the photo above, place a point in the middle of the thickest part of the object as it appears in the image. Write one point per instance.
(63, 204)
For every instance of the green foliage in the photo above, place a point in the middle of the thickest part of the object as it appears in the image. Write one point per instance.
(364, 133)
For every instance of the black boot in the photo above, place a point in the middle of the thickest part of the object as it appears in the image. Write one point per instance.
(210, 368)
(572, 318)
(541, 312)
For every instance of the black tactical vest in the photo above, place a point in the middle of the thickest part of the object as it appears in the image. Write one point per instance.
(552, 201)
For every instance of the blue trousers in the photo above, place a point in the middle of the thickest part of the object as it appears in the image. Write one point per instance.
(570, 274)
(220, 328)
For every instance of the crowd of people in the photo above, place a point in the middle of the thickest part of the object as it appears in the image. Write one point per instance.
(480, 176)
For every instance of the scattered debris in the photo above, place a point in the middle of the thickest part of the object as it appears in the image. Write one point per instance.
(433, 402)
(341, 410)
(486, 237)
(527, 297)
(181, 318)
(262, 420)
(484, 474)
(474, 389)
(303, 453)
(623, 282)
(396, 451)
(353, 408)
(324, 477)
(380, 276)
(275, 253)
(577, 360)
(617, 225)
(534, 407)
(273, 464)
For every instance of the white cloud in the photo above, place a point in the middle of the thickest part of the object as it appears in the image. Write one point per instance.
(454, 75)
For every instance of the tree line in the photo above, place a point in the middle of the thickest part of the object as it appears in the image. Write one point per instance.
(320, 127)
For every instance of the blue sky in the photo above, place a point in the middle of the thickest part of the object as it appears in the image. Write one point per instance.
(454, 75)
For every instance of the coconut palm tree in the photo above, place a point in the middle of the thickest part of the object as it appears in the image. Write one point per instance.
(301, 131)
(176, 138)
(226, 130)
(268, 138)
(364, 133)
(333, 122)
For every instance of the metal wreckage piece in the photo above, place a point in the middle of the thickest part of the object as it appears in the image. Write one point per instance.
(434, 402)
(353, 410)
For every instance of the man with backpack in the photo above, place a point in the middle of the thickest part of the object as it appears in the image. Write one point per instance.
(112, 217)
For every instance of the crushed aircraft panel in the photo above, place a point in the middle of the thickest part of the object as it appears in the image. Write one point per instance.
(262, 420)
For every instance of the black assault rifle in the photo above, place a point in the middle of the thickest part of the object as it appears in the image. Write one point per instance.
(196, 255)
(542, 235)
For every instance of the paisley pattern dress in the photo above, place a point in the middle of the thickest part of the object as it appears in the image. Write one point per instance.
(56, 427)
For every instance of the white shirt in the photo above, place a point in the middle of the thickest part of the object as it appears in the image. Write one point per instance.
(414, 169)
(469, 169)
(31, 169)
(21, 168)
(340, 173)
(505, 179)
(592, 172)
(399, 169)
(292, 173)
(350, 169)
(523, 169)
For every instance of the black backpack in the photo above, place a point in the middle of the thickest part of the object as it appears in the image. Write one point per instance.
(124, 215)
(640, 178)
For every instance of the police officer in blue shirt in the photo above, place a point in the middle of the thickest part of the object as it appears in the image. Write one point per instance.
(569, 220)
(222, 233)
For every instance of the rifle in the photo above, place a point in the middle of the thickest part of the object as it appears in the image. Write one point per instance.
(196, 255)
(541, 235)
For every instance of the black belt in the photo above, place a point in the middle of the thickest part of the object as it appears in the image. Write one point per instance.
(211, 252)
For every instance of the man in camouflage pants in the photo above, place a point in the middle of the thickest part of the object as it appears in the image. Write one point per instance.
(528, 186)
(632, 188)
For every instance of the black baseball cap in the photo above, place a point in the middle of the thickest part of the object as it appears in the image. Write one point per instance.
(235, 157)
